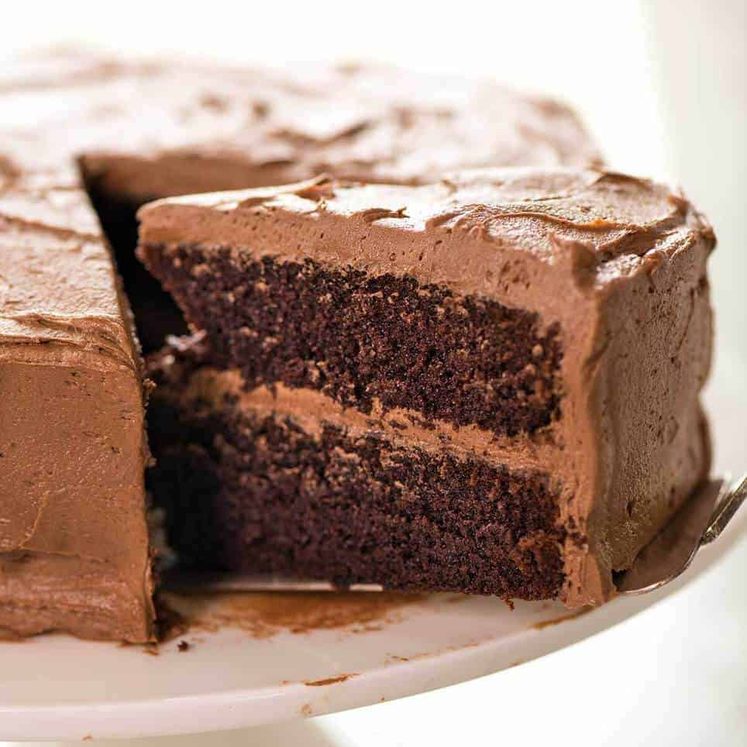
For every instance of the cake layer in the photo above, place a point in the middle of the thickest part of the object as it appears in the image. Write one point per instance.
(369, 340)
(263, 482)
(562, 309)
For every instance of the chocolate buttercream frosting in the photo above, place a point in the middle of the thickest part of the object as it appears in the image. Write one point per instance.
(154, 129)
(73, 538)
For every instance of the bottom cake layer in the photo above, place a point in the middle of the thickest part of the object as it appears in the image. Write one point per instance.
(258, 489)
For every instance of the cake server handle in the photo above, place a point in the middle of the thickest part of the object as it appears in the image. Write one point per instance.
(726, 507)
(699, 522)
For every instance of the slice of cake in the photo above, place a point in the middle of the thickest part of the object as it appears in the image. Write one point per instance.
(74, 550)
(486, 384)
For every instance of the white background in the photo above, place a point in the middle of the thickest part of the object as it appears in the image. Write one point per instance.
(662, 86)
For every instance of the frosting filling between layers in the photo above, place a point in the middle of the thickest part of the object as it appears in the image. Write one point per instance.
(217, 387)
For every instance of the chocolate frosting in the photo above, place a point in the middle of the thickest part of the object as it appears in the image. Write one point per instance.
(73, 535)
(619, 262)
(152, 129)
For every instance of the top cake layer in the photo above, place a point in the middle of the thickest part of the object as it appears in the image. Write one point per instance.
(456, 300)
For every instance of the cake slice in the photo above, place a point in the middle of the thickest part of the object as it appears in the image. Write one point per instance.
(74, 550)
(485, 384)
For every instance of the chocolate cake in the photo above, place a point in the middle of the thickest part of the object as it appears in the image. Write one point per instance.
(79, 132)
(489, 383)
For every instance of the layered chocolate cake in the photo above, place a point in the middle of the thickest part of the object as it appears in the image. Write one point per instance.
(489, 383)
(78, 130)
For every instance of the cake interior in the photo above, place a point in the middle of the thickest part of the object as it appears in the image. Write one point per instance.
(369, 341)
(254, 490)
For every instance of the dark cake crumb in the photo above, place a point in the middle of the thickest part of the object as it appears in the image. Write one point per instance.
(361, 338)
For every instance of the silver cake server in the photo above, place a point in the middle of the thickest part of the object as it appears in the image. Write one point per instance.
(700, 521)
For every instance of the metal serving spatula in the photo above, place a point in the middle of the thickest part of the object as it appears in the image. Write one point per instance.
(700, 521)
